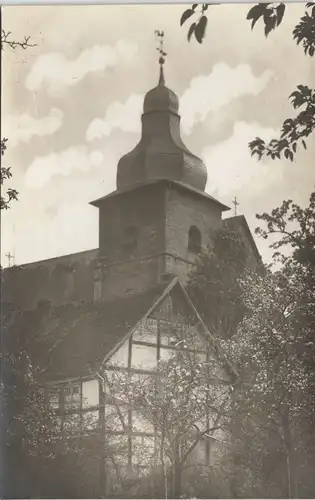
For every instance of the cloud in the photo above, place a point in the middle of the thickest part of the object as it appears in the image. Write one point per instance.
(205, 94)
(43, 168)
(231, 168)
(124, 116)
(54, 71)
(208, 93)
(21, 128)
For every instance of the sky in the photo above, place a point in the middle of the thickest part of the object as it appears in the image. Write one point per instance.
(71, 107)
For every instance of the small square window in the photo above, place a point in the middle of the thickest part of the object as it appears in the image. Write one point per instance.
(72, 395)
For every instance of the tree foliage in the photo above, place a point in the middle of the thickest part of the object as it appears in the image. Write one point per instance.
(214, 283)
(295, 130)
(268, 336)
(273, 350)
(295, 228)
(185, 400)
(6, 174)
(35, 446)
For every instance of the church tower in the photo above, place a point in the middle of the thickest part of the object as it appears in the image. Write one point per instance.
(159, 218)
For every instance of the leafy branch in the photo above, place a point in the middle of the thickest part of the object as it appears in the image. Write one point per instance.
(197, 28)
(299, 128)
(293, 130)
(5, 174)
(296, 227)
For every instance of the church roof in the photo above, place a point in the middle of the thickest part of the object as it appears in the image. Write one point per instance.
(72, 340)
(239, 221)
(170, 183)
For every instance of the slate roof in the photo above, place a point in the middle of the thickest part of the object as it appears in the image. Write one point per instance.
(234, 223)
(72, 340)
(154, 182)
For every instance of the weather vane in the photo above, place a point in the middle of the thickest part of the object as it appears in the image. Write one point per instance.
(159, 35)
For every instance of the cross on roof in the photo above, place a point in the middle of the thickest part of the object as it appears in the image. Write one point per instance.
(10, 256)
(236, 204)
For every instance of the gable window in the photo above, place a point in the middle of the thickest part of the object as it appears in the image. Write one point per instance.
(194, 240)
(130, 240)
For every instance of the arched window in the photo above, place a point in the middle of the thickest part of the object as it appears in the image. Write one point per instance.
(130, 240)
(194, 240)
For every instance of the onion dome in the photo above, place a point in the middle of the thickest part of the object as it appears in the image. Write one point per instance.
(161, 153)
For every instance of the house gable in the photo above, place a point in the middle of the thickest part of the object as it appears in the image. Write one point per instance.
(170, 323)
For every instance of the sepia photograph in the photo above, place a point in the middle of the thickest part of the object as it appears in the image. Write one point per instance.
(158, 251)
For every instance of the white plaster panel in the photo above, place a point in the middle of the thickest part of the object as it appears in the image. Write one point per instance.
(90, 393)
(121, 356)
(144, 357)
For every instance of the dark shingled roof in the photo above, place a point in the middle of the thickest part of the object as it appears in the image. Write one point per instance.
(153, 182)
(72, 340)
(234, 223)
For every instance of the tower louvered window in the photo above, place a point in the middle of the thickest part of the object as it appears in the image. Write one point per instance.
(194, 240)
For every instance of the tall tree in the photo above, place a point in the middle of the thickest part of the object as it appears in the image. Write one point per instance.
(274, 352)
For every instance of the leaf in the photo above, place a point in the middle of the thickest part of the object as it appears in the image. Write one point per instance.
(294, 147)
(304, 143)
(256, 12)
(201, 29)
(270, 22)
(280, 13)
(191, 31)
(186, 15)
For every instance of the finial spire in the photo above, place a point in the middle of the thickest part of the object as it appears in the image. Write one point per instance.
(160, 40)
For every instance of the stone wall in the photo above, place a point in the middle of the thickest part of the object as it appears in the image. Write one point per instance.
(142, 209)
(69, 278)
(183, 210)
